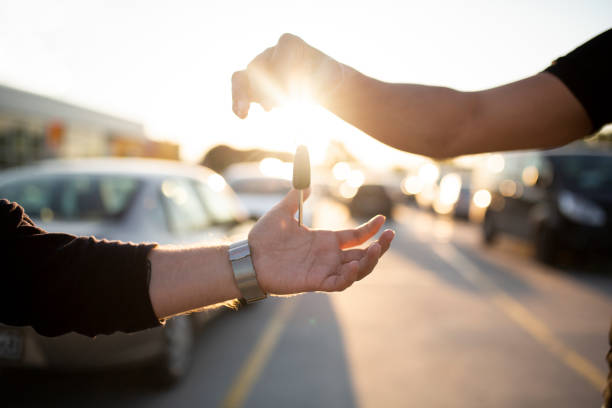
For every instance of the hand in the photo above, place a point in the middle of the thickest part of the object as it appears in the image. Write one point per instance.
(292, 259)
(290, 68)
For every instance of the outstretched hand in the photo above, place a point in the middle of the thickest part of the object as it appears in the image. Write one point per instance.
(291, 259)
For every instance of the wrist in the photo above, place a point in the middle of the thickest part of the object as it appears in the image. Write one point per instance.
(327, 76)
(243, 268)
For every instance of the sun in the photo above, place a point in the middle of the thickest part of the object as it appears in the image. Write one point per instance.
(308, 124)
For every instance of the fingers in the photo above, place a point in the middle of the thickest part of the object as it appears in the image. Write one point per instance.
(356, 254)
(263, 83)
(289, 204)
(358, 263)
(357, 236)
(345, 277)
(385, 240)
(355, 269)
(369, 261)
(352, 255)
(366, 258)
(253, 85)
(240, 94)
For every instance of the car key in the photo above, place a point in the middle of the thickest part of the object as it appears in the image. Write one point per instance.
(301, 176)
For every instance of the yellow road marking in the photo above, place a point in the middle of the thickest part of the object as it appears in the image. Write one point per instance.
(250, 371)
(521, 316)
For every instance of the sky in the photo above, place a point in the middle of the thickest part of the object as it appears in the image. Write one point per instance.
(168, 64)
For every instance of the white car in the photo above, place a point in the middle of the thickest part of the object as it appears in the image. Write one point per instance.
(259, 192)
(130, 200)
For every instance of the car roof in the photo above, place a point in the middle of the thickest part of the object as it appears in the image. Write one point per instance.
(574, 152)
(137, 167)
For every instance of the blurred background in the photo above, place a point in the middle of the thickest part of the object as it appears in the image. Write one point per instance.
(116, 121)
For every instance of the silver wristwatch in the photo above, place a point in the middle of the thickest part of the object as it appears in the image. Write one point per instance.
(244, 272)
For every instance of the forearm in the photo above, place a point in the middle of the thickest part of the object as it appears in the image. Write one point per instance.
(189, 278)
(415, 118)
(536, 112)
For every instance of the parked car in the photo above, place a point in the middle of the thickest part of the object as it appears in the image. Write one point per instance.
(559, 199)
(259, 192)
(462, 205)
(130, 200)
(370, 200)
(452, 194)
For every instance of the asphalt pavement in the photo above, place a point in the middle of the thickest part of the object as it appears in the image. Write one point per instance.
(443, 322)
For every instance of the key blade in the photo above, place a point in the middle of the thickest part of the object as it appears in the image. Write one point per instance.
(300, 208)
(301, 168)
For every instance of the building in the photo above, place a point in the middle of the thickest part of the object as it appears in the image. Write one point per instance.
(34, 127)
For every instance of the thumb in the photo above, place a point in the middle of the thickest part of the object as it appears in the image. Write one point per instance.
(290, 202)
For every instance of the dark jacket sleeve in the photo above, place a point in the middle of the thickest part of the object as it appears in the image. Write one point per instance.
(58, 283)
(586, 73)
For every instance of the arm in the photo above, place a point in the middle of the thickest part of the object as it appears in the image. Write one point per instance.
(535, 112)
(58, 283)
(288, 259)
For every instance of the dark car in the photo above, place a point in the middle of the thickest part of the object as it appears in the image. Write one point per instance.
(370, 200)
(559, 199)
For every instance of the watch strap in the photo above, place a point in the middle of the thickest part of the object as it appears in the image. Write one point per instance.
(244, 272)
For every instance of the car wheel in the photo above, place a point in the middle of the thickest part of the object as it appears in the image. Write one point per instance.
(545, 245)
(175, 360)
(489, 231)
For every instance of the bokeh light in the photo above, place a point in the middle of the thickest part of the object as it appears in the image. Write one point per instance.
(495, 163)
(429, 173)
(411, 185)
(341, 171)
(216, 183)
(482, 198)
(356, 178)
(530, 175)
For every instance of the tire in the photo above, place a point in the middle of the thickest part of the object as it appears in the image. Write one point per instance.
(175, 361)
(489, 230)
(545, 245)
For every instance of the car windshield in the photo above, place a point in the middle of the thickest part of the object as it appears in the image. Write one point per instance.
(72, 197)
(584, 173)
(261, 186)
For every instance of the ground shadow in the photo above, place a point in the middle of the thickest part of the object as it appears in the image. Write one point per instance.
(308, 367)
(416, 250)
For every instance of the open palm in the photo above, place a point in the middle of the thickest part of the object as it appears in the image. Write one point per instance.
(289, 258)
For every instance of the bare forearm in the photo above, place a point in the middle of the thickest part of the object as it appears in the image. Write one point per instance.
(189, 278)
(537, 112)
(415, 118)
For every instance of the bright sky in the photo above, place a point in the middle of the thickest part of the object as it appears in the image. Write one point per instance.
(168, 64)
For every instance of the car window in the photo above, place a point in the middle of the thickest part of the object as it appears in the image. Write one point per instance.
(587, 174)
(262, 186)
(72, 197)
(154, 214)
(185, 210)
(221, 203)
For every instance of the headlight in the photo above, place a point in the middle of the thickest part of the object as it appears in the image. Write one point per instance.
(581, 210)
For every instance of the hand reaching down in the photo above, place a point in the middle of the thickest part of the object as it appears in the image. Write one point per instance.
(289, 69)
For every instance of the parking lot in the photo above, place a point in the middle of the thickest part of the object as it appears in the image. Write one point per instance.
(444, 321)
